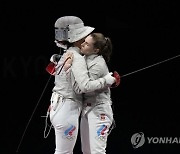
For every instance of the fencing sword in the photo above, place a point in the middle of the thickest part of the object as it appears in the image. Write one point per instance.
(155, 64)
(38, 102)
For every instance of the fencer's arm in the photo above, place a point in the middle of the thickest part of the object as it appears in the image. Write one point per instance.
(82, 79)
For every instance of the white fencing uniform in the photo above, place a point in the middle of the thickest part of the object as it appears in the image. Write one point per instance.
(97, 114)
(65, 105)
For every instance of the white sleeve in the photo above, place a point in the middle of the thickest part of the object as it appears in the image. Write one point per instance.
(81, 77)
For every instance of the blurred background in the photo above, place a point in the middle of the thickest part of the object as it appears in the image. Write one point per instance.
(143, 33)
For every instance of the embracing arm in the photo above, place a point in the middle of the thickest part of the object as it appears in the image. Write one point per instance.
(83, 83)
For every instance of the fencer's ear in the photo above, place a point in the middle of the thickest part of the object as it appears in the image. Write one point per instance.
(96, 50)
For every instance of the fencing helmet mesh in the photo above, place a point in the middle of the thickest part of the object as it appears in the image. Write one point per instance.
(71, 29)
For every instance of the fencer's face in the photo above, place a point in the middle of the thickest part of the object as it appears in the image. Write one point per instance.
(87, 47)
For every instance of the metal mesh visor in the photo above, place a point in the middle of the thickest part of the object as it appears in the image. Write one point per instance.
(61, 34)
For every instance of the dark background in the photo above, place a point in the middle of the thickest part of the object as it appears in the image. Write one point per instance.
(143, 33)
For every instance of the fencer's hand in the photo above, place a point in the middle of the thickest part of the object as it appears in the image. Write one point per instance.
(69, 60)
(50, 68)
(55, 58)
(118, 79)
(109, 79)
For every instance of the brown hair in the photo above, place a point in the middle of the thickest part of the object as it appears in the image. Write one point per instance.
(104, 45)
